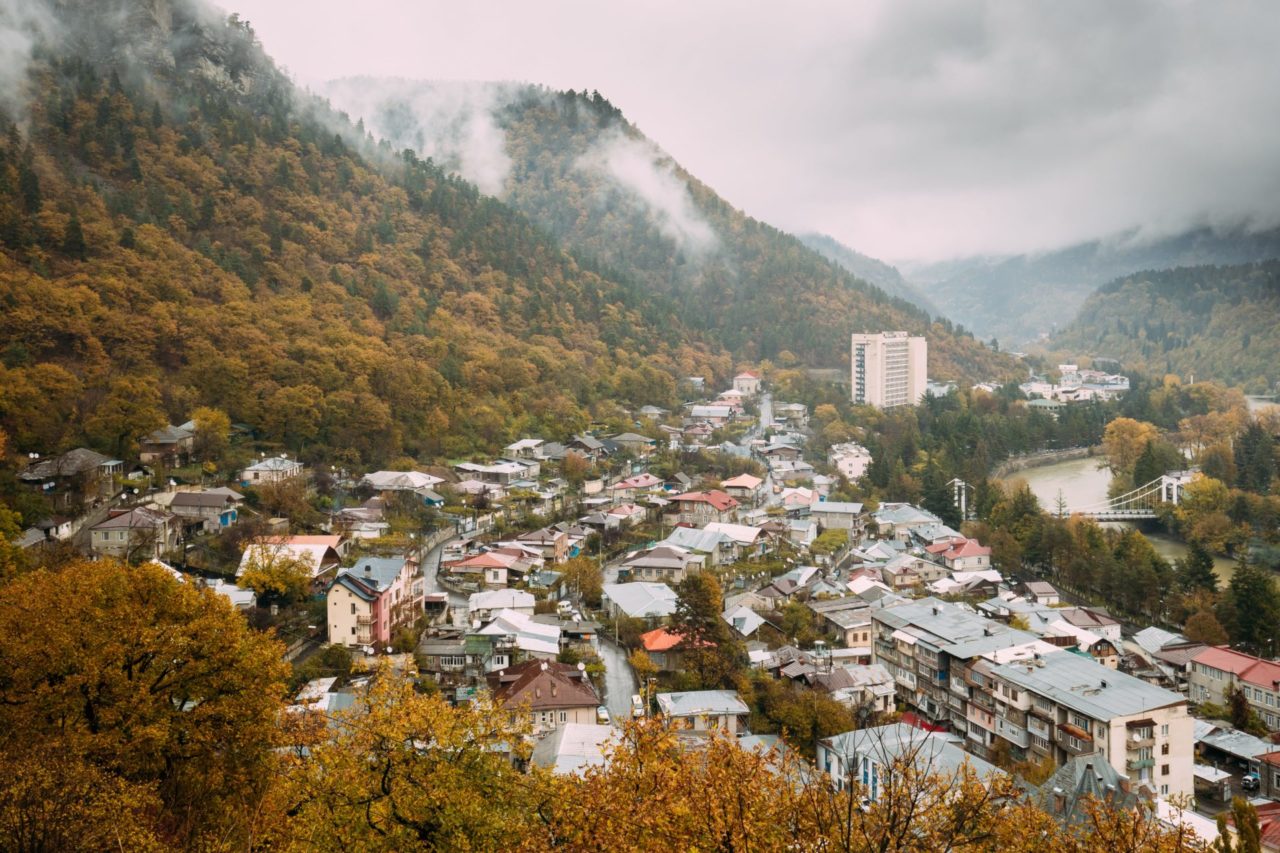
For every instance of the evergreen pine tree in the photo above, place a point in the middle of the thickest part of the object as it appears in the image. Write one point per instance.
(1195, 570)
(73, 244)
(1255, 460)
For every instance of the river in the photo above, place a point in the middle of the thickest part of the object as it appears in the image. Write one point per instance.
(1080, 482)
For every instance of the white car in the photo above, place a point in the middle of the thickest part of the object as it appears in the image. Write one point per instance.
(602, 715)
(637, 705)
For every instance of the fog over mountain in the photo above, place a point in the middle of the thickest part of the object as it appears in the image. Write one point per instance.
(906, 130)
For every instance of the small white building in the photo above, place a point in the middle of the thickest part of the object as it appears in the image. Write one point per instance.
(272, 469)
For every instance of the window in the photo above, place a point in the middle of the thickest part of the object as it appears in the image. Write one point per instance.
(564, 716)
(353, 608)
(1164, 790)
(1082, 722)
(1164, 730)
(353, 629)
(1164, 769)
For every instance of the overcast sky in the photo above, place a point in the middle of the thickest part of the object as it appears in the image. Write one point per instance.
(908, 130)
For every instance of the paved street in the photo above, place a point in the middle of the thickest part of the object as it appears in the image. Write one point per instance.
(619, 681)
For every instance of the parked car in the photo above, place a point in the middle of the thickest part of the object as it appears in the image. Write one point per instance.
(602, 715)
(1250, 781)
(637, 705)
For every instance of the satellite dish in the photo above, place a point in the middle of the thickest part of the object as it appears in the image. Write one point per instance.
(582, 667)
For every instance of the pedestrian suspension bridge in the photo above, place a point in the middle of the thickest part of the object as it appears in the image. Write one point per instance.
(1137, 504)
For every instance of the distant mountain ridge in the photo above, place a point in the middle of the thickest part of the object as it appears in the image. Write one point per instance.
(1210, 322)
(1028, 297)
(882, 275)
(575, 166)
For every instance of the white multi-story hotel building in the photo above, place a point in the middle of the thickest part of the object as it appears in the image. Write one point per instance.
(889, 369)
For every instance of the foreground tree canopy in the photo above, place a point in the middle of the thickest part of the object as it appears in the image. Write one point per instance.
(138, 712)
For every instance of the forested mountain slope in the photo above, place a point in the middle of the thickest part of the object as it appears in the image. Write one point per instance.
(1214, 322)
(1019, 299)
(877, 272)
(180, 227)
(577, 167)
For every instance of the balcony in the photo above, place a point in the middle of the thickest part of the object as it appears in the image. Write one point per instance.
(1038, 727)
(1044, 713)
(1133, 744)
(363, 621)
(1016, 735)
(1074, 740)
(1139, 763)
(983, 701)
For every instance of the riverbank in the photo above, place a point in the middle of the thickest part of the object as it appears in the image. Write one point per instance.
(1014, 464)
(1080, 482)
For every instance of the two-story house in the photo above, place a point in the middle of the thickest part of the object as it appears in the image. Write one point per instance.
(74, 480)
(552, 694)
(139, 533)
(213, 510)
(747, 383)
(169, 445)
(866, 758)
(700, 508)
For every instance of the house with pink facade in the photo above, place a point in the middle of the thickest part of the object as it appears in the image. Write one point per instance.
(369, 602)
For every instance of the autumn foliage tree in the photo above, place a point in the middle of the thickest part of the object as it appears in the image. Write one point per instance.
(150, 697)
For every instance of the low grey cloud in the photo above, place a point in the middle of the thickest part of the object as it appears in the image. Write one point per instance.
(453, 123)
(647, 178)
(22, 24)
(457, 125)
(906, 128)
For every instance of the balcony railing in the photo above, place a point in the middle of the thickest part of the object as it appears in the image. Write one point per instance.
(1072, 743)
(1139, 763)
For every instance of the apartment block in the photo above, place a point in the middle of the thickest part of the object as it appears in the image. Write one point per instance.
(991, 683)
(1217, 670)
(889, 369)
(1063, 705)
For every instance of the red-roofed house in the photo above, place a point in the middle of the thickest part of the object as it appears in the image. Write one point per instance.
(1219, 669)
(492, 568)
(701, 508)
(743, 487)
(747, 382)
(962, 555)
(665, 648)
(639, 483)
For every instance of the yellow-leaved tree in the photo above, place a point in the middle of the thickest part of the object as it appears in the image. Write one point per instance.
(403, 769)
(136, 711)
